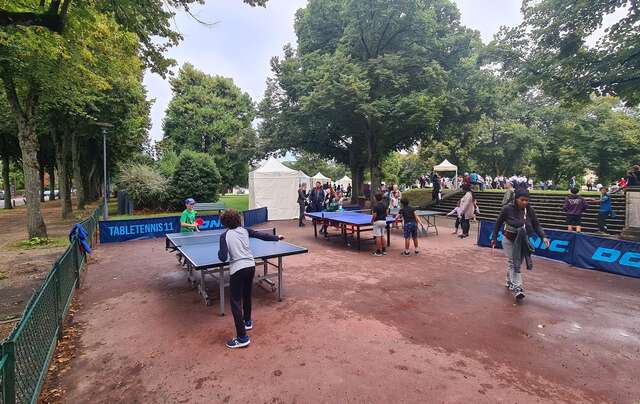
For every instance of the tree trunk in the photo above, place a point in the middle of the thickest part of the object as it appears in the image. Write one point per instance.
(356, 182)
(52, 182)
(6, 182)
(77, 172)
(60, 141)
(372, 158)
(41, 173)
(68, 189)
(29, 146)
(28, 140)
(88, 182)
(376, 175)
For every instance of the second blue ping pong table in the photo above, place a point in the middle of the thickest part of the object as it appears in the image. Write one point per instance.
(198, 252)
(350, 223)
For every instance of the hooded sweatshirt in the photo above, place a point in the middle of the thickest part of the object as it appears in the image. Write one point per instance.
(574, 205)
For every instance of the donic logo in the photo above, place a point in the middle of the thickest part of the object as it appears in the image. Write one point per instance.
(210, 224)
(557, 246)
(611, 256)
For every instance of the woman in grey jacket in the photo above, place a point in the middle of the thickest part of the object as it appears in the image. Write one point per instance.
(514, 218)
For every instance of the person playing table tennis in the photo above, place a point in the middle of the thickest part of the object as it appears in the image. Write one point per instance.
(235, 247)
(379, 224)
(188, 217)
(410, 226)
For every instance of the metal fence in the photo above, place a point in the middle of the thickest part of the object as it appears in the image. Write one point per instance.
(26, 353)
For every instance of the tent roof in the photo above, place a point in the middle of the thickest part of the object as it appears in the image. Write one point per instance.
(319, 176)
(302, 174)
(274, 166)
(344, 179)
(445, 166)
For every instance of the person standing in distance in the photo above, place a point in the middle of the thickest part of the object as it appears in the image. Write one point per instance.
(302, 202)
(316, 198)
(467, 210)
(435, 183)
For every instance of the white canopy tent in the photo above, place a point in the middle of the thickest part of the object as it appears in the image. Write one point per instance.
(275, 186)
(446, 166)
(305, 179)
(344, 182)
(321, 178)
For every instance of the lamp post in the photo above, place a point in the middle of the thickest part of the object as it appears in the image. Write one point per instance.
(105, 209)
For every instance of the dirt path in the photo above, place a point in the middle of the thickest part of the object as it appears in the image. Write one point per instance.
(22, 271)
(438, 328)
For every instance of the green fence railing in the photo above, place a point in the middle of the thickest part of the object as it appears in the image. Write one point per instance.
(27, 351)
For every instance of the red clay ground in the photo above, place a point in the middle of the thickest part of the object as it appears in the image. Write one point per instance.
(438, 328)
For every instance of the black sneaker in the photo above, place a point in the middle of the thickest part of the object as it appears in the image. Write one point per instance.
(406, 253)
(508, 285)
(518, 293)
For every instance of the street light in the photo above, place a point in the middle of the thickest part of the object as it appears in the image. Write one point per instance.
(104, 126)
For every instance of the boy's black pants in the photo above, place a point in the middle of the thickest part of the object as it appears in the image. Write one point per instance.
(602, 221)
(240, 288)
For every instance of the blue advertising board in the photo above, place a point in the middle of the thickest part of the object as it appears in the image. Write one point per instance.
(580, 250)
(113, 231)
(616, 256)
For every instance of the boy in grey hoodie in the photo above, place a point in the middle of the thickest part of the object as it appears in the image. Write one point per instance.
(235, 247)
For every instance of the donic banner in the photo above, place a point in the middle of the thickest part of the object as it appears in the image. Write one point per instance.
(580, 250)
(113, 231)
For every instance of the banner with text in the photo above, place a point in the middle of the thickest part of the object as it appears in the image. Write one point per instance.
(580, 250)
(114, 231)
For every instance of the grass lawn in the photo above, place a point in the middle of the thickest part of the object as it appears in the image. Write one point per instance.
(37, 243)
(239, 202)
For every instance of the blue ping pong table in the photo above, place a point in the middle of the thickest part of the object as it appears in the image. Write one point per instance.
(349, 222)
(198, 252)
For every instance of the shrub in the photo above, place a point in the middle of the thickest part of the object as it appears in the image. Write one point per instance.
(196, 176)
(146, 187)
(168, 163)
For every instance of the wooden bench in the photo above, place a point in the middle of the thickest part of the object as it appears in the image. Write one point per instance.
(209, 206)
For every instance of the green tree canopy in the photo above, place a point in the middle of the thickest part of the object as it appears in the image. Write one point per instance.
(551, 49)
(370, 78)
(210, 114)
(148, 19)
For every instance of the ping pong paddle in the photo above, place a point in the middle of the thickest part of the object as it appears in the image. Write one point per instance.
(199, 222)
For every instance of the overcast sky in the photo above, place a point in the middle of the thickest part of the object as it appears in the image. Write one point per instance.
(244, 39)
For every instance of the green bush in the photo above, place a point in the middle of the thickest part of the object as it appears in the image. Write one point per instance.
(196, 176)
(168, 163)
(146, 187)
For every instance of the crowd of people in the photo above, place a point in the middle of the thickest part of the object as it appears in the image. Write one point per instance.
(483, 182)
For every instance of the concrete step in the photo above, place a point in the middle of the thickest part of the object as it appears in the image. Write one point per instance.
(548, 209)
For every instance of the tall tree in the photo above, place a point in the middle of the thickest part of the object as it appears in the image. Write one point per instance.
(210, 114)
(551, 48)
(370, 77)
